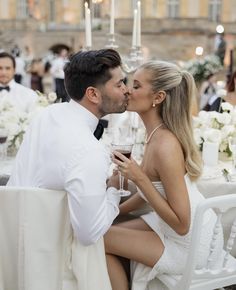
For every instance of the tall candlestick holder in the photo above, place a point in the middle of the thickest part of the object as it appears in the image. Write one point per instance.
(112, 41)
(133, 60)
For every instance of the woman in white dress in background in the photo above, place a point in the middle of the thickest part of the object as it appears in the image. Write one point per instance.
(158, 242)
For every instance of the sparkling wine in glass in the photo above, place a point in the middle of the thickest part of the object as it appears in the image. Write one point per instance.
(126, 150)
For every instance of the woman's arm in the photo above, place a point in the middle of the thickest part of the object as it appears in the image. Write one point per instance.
(168, 161)
(133, 203)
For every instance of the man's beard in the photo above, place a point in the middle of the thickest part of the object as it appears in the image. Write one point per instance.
(108, 106)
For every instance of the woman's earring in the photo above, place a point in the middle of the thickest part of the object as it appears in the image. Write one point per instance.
(154, 105)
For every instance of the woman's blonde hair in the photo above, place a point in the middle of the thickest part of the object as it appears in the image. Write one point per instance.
(175, 110)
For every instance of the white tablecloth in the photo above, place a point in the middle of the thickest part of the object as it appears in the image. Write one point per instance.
(214, 184)
(6, 166)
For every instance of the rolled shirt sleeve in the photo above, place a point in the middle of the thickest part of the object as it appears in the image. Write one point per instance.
(92, 207)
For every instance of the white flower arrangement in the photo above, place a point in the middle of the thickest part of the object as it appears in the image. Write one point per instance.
(16, 121)
(216, 127)
(201, 68)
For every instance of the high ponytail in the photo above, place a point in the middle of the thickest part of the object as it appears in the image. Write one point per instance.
(176, 108)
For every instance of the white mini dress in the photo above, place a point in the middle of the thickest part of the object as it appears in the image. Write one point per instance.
(174, 257)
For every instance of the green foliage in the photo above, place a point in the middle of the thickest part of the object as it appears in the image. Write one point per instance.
(201, 68)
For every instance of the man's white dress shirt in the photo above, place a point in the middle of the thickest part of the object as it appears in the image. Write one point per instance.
(22, 97)
(59, 151)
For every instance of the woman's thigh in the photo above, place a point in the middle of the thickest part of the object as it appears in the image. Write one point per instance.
(136, 224)
(142, 246)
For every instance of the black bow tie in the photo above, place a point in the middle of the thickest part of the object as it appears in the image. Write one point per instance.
(99, 130)
(7, 88)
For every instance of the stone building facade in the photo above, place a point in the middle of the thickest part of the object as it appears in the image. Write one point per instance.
(171, 29)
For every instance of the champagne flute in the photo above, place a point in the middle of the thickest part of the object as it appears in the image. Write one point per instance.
(125, 149)
(232, 147)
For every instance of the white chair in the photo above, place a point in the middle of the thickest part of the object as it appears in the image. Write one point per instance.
(38, 250)
(207, 278)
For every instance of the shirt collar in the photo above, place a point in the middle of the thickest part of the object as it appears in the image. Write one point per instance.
(85, 114)
(11, 84)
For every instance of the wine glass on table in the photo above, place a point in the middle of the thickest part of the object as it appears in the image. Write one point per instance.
(125, 149)
(3, 144)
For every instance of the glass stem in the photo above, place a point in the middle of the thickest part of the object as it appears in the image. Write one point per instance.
(121, 180)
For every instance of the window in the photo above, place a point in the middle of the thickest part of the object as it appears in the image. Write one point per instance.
(22, 9)
(215, 10)
(173, 8)
(52, 11)
(154, 8)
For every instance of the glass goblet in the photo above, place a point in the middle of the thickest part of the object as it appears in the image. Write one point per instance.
(126, 150)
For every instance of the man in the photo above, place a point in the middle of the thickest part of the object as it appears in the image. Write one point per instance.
(58, 74)
(60, 150)
(220, 47)
(21, 97)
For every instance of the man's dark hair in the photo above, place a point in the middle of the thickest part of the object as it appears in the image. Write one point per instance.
(89, 68)
(8, 55)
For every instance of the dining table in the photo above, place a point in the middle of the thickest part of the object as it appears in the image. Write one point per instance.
(213, 182)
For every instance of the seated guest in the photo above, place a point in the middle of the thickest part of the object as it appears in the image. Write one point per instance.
(230, 97)
(156, 242)
(20, 96)
(208, 92)
(60, 151)
(231, 90)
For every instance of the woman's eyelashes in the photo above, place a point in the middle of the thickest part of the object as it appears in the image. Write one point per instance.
(136, 86)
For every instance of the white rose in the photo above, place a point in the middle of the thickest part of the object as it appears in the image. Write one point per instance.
(52, 97)
(224, 118)
(196, 122)
(13, 128)
(42, 101)
(227, 130)
(203, 118)
(212, 135)
(227, 106)
(233, 117)
(197, 133)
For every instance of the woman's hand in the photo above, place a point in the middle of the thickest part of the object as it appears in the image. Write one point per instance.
(128, 167)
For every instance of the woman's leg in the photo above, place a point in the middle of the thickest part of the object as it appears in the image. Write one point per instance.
(133, 240)
(118, 277)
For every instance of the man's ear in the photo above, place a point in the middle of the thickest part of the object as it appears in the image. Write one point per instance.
(159, 97)
(93, 95)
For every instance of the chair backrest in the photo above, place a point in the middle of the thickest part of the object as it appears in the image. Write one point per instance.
(34, 228)
(223, 272)
(38, 249)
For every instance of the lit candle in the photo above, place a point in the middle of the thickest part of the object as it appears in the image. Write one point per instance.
(138, 41)
(134, 38)
(112, 17)
(88, 39)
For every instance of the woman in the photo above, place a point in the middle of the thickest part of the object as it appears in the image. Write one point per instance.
(230, 96)
(208, 93)
(158, 241)
(231, 90)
